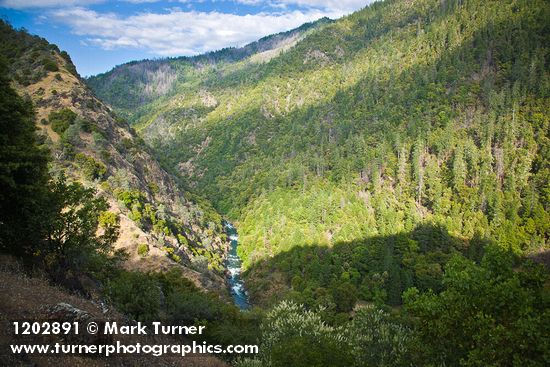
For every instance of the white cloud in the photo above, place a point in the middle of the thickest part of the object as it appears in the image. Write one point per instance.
(251, 2)
(25, 4)
(179, 32)
(141, 1)
(330, 5)
(182, 32)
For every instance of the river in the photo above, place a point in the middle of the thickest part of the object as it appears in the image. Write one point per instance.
(233, 265)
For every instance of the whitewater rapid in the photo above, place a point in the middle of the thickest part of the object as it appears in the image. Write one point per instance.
(233, 265)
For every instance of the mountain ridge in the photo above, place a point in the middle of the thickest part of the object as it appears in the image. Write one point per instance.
(157, 78)
(93, 146)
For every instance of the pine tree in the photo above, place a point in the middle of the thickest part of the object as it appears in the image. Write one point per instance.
(23, 173)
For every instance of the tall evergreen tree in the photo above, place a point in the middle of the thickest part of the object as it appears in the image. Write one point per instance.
(23, 172)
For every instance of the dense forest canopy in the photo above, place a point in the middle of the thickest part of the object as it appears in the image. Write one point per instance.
(400, 114)
(391, 157)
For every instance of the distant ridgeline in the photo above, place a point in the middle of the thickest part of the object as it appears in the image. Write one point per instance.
(131, 87)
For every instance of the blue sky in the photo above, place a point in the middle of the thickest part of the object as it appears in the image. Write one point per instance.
(99, 34)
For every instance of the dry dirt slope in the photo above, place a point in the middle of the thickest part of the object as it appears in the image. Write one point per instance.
(33, 299)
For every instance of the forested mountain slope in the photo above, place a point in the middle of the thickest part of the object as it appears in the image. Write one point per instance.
(160, 225)
(134, 88)
(401, 114)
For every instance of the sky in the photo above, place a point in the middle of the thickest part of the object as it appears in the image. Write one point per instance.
(100, 34)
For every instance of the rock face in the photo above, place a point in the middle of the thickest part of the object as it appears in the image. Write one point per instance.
(160, 225)
(65, 312)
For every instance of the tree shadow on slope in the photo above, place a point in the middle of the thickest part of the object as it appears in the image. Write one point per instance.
(489, 311)
(376, 269)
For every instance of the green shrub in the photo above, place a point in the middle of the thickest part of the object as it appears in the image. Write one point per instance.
(199, 263)
(91, 168)
(170, 251)
(154, 188)
(85, 125)
(135, 294)
(288, 327)
(99, 140)
(130, 197)
(108, 219)
(72, 135)
(182, 240)
(134, 200)
(49, 65)
(62, 119)
(69, 63)
(105, 155)
(143, 249)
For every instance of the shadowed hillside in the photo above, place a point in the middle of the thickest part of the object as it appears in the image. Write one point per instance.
(374, 269)
(415, 298)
